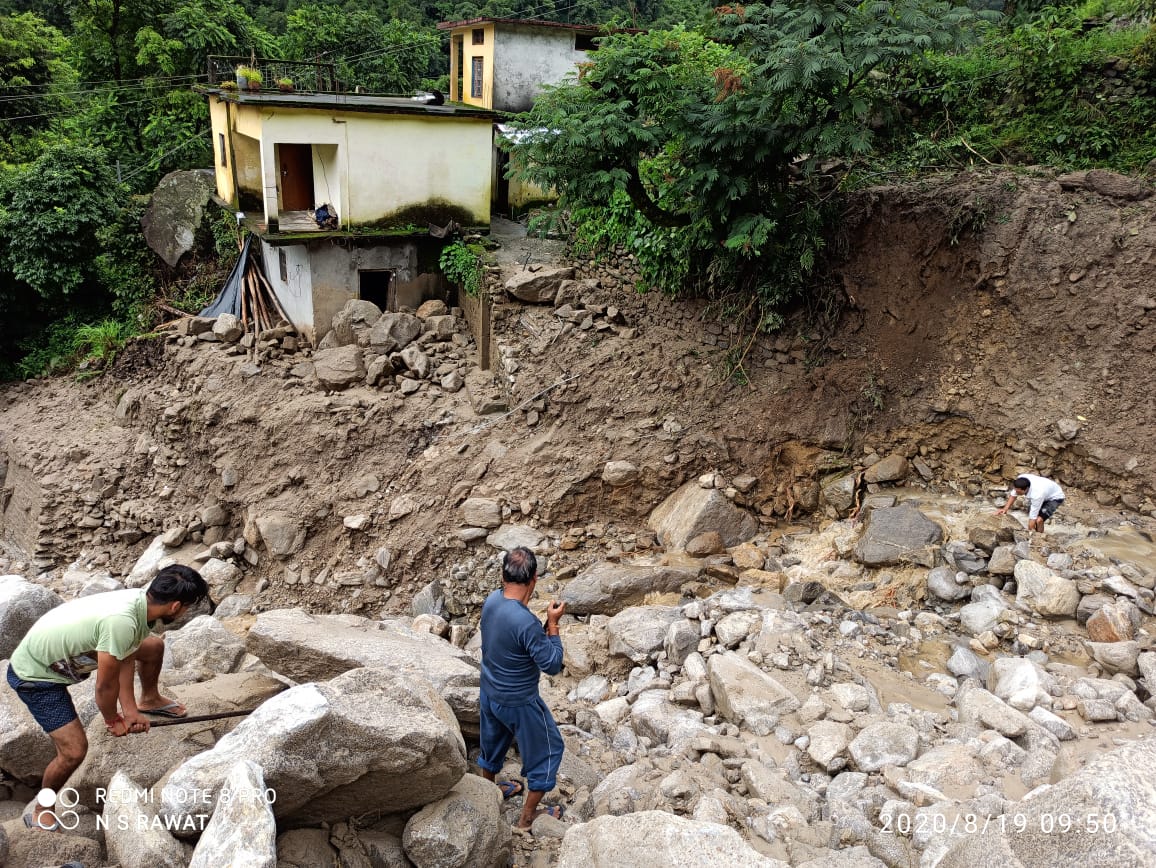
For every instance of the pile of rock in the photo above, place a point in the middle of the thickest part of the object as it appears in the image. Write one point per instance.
(402, 351)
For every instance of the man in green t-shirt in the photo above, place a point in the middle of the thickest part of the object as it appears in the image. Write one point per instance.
(109, 634)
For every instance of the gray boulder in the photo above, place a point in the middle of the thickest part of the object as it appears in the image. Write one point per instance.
(416, 362)
(129, 832)
(171, 744)
(538, 287)
(898, 534)
(893, 468)
(1040, 590)
(656, 839)
(242, 831)
(393, 756)
(32, 848)
(746, 695)
(307, 848)
(640, 631)
(694, 510)
(1111, 807)
(21, 605)
(282, 534)
(655, 717)
(884, 743)
(308, 647)
(228, 328)
(839, 493)
(510, 536)
(394, 331)
(174, 212)
(988, 530)
(976, 705)
(339, 368)
(204, 645)
(942, 585)
(606, 588)
(482, 512)
(465, 828)
(356, 316)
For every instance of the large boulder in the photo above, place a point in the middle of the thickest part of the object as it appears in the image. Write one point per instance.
(357, 315)
(538, 287)
(1104, 814)
(174, 212)
(482, 512)
(386, 756)
(464, 829)
(893, 468)
(1040, 590)
(656, 839)
(282, 534)
(898, 534)
(242, 830)
(171, 744)
(694, 510)
(746, 695)
(394, 331)
(21, 605)
(204, 646)
(884, 743)
(339, 367)
(34, 848)
(839, 493)
(606, 588)
(308, 647)
(988, 530)
(640, 631)
(130, 835)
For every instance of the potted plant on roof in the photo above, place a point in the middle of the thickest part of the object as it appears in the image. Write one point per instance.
(249, 78)
(285, 85)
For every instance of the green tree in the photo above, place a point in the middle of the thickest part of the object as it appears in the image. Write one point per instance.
(30, 66)
(51, 216)
(724, 139)
(379, 56)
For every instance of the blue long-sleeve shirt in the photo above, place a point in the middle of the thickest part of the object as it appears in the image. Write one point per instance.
(514, 649)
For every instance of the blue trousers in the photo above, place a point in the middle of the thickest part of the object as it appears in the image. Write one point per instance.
(539, 741)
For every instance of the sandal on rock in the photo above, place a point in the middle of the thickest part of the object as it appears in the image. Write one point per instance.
(32, 823)
(510, 788)
(169, 710)
(555, 811)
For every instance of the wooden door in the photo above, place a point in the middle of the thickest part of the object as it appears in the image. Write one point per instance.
(296, 166)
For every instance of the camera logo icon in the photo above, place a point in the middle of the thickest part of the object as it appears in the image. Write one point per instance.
(57, 809)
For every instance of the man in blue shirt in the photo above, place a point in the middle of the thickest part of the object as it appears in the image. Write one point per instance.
(514, 649)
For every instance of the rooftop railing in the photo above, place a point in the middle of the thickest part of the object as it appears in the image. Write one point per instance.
(306, 76)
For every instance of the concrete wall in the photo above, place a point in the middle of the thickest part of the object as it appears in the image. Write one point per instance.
(246, 165)
(334, 273)
(219, 123)
(380, 167)
(525, 58)
(295, 292)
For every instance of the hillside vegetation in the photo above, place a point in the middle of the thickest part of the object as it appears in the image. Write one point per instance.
(715, 147)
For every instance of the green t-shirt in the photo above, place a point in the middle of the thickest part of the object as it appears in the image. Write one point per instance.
(61, 646)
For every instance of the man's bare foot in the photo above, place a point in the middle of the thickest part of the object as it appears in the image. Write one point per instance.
(555, 811)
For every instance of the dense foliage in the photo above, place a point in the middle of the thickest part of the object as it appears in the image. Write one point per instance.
(717, 140)
(705, 146)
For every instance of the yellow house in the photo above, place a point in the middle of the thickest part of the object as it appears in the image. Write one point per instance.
(386, 170)
(503, 64)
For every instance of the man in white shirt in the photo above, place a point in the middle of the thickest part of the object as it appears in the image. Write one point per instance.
(1044, 498)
